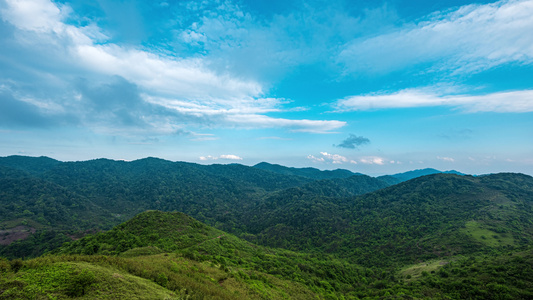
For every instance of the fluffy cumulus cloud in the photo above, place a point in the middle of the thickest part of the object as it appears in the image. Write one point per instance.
(353, 142)
(42, 43)
(330, 158)
(223, 157)
(469, 39)
(502, 102)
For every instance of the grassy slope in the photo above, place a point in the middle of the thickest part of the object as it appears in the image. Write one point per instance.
(164, 276)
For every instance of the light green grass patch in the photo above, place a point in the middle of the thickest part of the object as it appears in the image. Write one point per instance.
(413, 272)
(141, 251)
(486, 236)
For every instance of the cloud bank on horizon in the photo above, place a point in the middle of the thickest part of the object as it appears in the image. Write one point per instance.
(278, 80)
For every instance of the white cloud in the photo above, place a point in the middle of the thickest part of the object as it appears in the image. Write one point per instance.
(230, 157)
(38, 15)
(448, 159)
(330, 158)
(503, 102)
(187, 86)
(334, 158)
(223, 156)
(470, 39)
(372, 160)
(181, 78)
(315, 159)
(262, 121)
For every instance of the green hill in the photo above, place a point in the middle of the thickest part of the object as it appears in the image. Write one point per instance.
(168, 232)
(311, 173)
(401, 177)
(428, 217)
(32, 165)
(161, 255)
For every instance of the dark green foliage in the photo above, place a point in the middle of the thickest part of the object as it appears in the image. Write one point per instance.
(79, 283)
(310, 173)
(166, 231)
(16, 264)
(32, 165)
(505, 276)
(401, 177)
(419, 219)
(37, 244)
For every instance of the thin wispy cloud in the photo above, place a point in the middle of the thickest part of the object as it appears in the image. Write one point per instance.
(223, 157)
(469, 39)
(502, 102)
(445, 158)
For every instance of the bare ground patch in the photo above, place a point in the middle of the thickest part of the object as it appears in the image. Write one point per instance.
(8, 236)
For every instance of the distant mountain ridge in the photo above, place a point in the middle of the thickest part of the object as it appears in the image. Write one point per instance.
(37, 165)
(401, 177)
(311, 173)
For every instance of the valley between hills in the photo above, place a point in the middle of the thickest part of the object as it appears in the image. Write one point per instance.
(156, 229)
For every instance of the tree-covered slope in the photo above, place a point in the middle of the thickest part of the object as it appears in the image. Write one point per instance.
(154, 232)
(32, 165)
(358, 216)
(427, 217)
(37, 216)
(161, 255)
(168, 231)
(401, 177)
(311, 173)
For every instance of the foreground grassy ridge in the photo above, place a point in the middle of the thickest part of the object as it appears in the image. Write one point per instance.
(164, 276)
(173, 276)
(211, 258)
(63, 278)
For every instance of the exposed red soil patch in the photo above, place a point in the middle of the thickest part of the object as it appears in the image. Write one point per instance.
(8, 236)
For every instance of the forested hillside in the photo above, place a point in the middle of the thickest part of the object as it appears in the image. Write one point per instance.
(97, 194)
(349, 236)
(159, 255)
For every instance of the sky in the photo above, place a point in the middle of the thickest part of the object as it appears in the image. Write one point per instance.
(377, 87)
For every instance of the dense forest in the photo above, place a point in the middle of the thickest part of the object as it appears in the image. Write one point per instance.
(179, 230)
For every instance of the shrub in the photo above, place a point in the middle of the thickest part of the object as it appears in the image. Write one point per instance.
(79, 283)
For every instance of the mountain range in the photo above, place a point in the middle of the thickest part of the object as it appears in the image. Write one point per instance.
(326, 234)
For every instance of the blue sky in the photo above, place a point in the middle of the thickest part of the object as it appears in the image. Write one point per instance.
(371, 86)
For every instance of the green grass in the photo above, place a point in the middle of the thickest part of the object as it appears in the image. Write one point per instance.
(414, 272)
(52, 279)
(486, 236)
